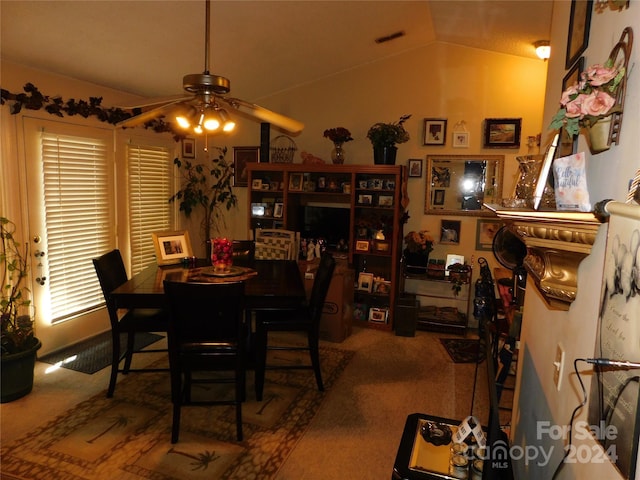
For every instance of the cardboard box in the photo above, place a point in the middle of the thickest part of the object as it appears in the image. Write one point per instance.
(337, 316)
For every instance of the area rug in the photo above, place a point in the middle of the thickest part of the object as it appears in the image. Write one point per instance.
(127, 437)
(462, 350)
(94, 354)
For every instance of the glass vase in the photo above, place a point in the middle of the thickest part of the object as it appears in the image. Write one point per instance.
(221, 254)
(529, 167)
(337, 154)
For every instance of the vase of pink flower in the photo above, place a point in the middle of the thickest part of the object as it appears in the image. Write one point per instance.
(590, 102)
(339, 136)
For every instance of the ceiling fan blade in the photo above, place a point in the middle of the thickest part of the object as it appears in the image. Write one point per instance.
(266, 115)
(156, 101)
(148, 115)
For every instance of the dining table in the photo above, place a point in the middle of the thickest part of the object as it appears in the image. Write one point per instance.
(268, 283)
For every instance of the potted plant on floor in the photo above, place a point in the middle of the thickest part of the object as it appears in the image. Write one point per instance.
(208, 188)
(384, 137)
(17, 338)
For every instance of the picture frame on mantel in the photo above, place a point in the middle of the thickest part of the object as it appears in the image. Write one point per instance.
(578, 35)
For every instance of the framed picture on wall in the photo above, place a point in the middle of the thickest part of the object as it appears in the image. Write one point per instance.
(578, 35)
(486, 229)
(242, 156)
(188, 148)
(450, 232)
(460, 139)
(435, 131)
(502, 132)
(415, 167)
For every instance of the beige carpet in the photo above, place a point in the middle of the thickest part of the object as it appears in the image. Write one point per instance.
(351, 432)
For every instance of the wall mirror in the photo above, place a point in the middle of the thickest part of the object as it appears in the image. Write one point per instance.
(460, 184)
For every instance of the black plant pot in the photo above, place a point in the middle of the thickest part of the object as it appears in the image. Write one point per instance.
(416, 262)
(384, 155)
(17, 373)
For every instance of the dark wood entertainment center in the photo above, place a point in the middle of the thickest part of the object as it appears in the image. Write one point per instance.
(374, 197)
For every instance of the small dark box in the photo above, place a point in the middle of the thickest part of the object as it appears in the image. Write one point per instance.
(406, 315)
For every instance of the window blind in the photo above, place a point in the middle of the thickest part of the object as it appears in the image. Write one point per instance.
(78, 220)
(149, 192)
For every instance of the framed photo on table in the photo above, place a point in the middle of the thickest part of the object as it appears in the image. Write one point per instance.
(365, 282)
(502, 132)
(172, 247)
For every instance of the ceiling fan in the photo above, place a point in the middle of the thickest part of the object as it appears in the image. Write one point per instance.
(203, 109)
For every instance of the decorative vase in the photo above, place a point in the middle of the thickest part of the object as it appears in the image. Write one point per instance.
(529, 167)
(384, 155)
(337, 154)
(221, 254)
(599, 135)
(17, 373)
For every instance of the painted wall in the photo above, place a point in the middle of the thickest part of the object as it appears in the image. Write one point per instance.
(608, 175)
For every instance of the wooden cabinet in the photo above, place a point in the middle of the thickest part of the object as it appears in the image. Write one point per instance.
(356, 211)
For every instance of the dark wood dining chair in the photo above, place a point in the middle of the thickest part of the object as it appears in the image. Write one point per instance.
(243, 252)
(206, 335)
(111, 274)
(305, 318)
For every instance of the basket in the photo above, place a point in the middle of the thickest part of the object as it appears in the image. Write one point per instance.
(282, 149)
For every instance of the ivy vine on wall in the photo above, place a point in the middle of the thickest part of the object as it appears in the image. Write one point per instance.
(33, 99)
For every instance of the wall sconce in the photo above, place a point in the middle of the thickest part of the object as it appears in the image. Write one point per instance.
(543, 49)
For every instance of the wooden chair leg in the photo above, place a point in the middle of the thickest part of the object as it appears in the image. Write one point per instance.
(131, 337)
(261, 358)
(314, 353)
(175, 427)
(115, 362)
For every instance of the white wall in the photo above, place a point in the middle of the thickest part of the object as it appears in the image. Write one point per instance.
(542, 329)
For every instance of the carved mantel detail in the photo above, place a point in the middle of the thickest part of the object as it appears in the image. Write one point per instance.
(556, 244)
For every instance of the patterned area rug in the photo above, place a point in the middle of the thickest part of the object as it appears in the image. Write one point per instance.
(128, 437)
(462, 350)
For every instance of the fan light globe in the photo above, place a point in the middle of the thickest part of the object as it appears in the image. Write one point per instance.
(183, 121)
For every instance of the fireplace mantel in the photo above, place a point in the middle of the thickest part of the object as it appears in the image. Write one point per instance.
(556, 244)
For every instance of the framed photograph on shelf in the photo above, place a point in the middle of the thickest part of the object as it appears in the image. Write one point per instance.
(415, 167)
(378, 315)
(452, 259)
(460, 139)
(385, 201)
(365, 282)
(256, 184)
(171, 247)
(435, 131)
(486, 229)
(295, 182)
(360, 311)
(362, 245)
(450, 232)
(545, 171)
(502, 132)
(578, 35)
(277, 210)
(365, 199)
(242, 156)
(188, 148)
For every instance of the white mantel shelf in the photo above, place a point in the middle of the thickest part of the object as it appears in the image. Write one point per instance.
(557, 242)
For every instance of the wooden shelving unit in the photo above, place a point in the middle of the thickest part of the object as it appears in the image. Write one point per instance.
(373, 197)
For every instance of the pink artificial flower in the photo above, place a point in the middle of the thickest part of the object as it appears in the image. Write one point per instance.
(597, 103)
(574, 107)
(598, 75)
(568, 93)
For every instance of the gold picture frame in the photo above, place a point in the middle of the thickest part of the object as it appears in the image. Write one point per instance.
(171, 247)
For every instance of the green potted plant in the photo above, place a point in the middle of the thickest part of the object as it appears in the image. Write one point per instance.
(208, 188)
(17, 338)
(384, 137)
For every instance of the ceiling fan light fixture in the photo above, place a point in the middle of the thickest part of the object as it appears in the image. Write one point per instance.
(210, 120)
(228, 125)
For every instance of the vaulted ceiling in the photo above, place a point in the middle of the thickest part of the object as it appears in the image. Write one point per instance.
(262, 46)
